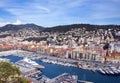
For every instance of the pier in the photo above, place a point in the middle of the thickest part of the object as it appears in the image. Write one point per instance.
(64, 78)
(29, 69)
(82, 81)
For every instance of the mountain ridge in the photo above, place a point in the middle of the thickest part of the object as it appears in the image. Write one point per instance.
(13, 27)
(63, 28)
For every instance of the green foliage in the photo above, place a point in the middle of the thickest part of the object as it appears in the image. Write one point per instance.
(10, 74)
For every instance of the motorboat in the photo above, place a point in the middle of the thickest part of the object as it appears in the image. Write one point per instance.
(30, 61)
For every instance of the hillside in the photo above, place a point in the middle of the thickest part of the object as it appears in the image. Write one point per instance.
(88, 27)
(23, 30)
(11, 27)
(32, 30)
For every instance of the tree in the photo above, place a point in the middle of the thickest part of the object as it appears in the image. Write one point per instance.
(10, 73)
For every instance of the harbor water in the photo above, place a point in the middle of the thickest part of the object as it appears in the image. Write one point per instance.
(53, 70)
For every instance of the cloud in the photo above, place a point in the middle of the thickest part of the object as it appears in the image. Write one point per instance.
(17, 22)
(4, 23)
(106, 10)
(42, 8)
(54, 12)
(28, 10)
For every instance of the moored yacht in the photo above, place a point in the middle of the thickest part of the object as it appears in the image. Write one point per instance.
(30, 61)
(101, 71)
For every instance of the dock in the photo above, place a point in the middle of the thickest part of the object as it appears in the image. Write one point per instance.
(64, 78)
(82, 81)
(39, 66)
(29, 69)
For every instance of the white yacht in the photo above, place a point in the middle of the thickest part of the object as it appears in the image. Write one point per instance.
(4, 59)
(101, 71)
(30, 61)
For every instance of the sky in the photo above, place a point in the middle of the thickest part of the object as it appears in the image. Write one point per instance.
(59, 12)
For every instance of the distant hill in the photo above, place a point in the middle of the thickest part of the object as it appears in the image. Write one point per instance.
(23, 30)
(88, 27)
(61, 28)
(32, 30)
(11, 27)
